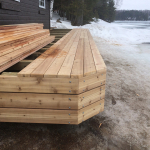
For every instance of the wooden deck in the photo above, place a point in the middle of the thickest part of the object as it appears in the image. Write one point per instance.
(64, 85)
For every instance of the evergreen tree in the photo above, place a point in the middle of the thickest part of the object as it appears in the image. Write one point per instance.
(132, 15)
(83, 11)
(111, 11)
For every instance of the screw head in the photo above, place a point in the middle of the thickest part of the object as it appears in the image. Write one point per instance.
(83, 105)
(83, 90)
(84, 80)
(69, 114)
(83, 113)
(100, 103)
(69, 122)
(101, 83)
(69, 81)
(100, 97)
(83, 97)
(69, 107)
(69, 91)
(69, 98)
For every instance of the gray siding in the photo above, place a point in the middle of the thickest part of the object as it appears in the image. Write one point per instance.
(25, 11)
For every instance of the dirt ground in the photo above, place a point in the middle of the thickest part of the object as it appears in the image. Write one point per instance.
(125, 121)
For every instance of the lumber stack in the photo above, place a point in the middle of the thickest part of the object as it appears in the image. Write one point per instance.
(65, 85)
(19, 41)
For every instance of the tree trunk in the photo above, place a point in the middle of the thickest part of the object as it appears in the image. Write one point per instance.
(51, 9)
(80, 18)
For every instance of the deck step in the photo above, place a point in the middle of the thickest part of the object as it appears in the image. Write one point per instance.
(19, 41)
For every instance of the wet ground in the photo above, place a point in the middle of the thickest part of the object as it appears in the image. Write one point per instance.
(124, 125)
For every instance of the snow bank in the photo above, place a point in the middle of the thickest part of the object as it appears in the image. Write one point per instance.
(109, 32)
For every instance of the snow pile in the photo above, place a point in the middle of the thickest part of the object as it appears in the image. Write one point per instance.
(114, 33)
(109, 32)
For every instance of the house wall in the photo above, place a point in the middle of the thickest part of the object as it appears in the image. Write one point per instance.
(25, 11)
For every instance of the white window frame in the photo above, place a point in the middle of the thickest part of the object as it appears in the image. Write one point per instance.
(17, 0)
(44, 7)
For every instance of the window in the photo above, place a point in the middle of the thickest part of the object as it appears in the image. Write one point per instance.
(42, 3)
(17, 0)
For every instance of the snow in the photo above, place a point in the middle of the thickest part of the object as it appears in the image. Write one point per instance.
(110, 32)
(128, 80)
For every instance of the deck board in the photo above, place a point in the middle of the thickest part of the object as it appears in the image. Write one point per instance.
(57, 64)
(66, 67)
(99, 62)
(77, 69)
(89, 63)
(43, 67)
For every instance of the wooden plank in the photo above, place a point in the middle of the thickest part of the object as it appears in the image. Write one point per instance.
(9, 57)
(24, 55)
(90, 97)
(92, 81)
(22, 44)
(26, 72)
(77, 69)
(89, 64)
(50, 101)
(9, 74)
(43, 67)
(14, 27)
(38, 116)
(50, 116)
(90, 111)
(10, 40)
(65, 70)
(38, 85)
(57, 63)
(42, 101)
(99, 62)
(17, 32)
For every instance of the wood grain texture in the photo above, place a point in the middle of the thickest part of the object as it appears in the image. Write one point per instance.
(38, 85)
(8, 60)
(50, 116)
(77, 69)
(73, 56)
(53, 70)
(64, 85)
(89, 64)
(49, 56)
(66, 67)
(51, 101)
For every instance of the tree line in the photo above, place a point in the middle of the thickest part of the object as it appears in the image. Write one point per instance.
(81, 12)
(137, 15)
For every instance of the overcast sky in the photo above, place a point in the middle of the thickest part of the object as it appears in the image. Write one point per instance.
(135, 4)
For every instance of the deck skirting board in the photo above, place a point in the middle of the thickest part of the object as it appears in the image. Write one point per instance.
(50, 116)
(51, 101)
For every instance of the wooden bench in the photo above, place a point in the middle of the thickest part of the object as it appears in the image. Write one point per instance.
(65, 85)
(19, 41)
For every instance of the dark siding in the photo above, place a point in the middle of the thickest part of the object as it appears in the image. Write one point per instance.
(25, 11)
